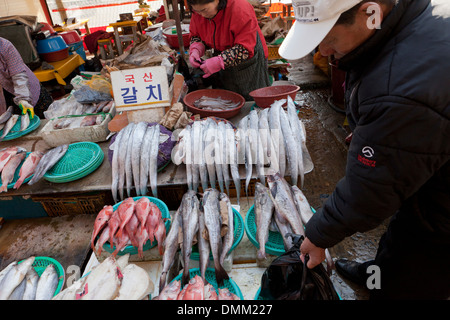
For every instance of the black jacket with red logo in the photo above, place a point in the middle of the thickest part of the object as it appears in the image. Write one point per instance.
(398, 107)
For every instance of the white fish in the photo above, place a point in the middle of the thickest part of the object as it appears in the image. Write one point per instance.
(256, 144)
(208, 137)
(145, 160)
(18, 292)
(218, 147)
(24, 121)
(128, 166)
(138, 136)
(233, 158)
(291, 147)
(6, 270)
(195, 149)
(122, 154)
(103, 281)
(245, 143)
(71, 292)
(225, 160)
(297, 132)
(188, 157)
(228, 238)
(136, 283)
(277, 134)
(14, 277)
(47, 284)
(115, 164)
(202, 165)
(9, 125)
(153, 166)
(32, 279)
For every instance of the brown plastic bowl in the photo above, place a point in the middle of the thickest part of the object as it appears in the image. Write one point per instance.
(264, 97)
(193, 96)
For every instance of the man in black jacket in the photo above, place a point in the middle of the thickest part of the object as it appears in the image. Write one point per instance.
(397, 94)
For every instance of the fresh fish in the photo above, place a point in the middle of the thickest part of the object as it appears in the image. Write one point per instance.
(14, 277)
(104, 237)
(7, 153)
(100, 221)
(170, 292)
(204, 249)
(263, 215)
(160, 236)
(211, 208)
(141, 238)
(48, 160)
(115, 164)
(225, 161)
(284, 228)
(202, 164)
(283, 200)
(153, 218)
(218, 147)
(196, 154)
(226, 294)
(88, 121)
(145, 160)
(270, 155)
(153, 166)
(195, 289)
(208, 151)
(113, 225)
(171, 247)
(103, 281)
(291, 146)
(122, 154)
(232, 156)
(70, 293)
(297, 133)
(210, 292)
(245, 145)
(128, 161)
(136, 283)
(24, 122)
(256, 144)
(31, 279)
(28, 167)
(6, 115)
(190, 213)
(47, 284)
(18, 292)
(142, 212)
(180, 295)
(9, 170)
(9, 125)
(228, 238)
(132, 228)
(277, 134)
(138, 136)
(188, 157)
(125, 211)
(121, 242)
(210, 103)
(6, 270)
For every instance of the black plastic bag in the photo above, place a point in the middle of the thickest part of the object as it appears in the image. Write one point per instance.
(288, 278)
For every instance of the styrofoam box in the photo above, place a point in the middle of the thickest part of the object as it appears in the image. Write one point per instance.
(95, 133)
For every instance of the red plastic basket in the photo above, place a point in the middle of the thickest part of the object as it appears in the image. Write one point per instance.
(264, 97)
(191, 97)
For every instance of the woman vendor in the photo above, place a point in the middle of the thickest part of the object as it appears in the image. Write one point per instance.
(239, 51)
(19, 86)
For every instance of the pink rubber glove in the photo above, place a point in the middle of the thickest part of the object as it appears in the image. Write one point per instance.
(196, 51)
(212, 65)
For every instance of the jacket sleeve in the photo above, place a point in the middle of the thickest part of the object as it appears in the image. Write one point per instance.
(396, 147)
(245, 33)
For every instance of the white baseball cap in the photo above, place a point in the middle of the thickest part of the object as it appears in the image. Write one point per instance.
(313, 20)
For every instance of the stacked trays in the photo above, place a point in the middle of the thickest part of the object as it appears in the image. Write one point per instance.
(15, 130)
(274, 244)
(210, 276)
(80, 159)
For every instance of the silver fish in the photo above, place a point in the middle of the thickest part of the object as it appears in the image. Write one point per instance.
(14, 277)
(245, 145)
(31, 279)
(115, 164)
(6, 270)
(218, 147)
(47, 284)
(170, 247)
(284, 228)
(297, 132)
(48, 160)
(208, 151)
(256, 143)
(190, 212)
(202, 164)
(153, 165)
(211, 208)
(128, 161)
(18, 292)
(122, 154)
(9, 125)
(188, 157)
(225, 161)
(291, 147)
(204, 249)
(263, 216)
(138, 136)
(6, 115)
(195, 149)
(24, 122)
(232, 156)
(9, 170)
(277, 134)
(283, 201)
(228, 238)
(145, 160)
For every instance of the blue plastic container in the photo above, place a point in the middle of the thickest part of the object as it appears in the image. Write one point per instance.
(50, 44)
(77, 47)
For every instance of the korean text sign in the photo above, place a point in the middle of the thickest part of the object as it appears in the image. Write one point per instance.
(140, 88)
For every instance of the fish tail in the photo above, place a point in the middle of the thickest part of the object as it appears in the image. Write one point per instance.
(162, 281)
(221, 274)
(186, 277)
(4, 188)
(119, 233)
(261, 255)
(18, 183)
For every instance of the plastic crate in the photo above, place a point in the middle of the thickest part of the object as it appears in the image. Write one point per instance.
(72, 205)
(273, 52)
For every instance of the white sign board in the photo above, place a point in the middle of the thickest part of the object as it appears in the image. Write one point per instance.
(140, 88)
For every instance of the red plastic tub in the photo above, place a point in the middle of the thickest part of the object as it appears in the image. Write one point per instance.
(55, 55)
(193, 96)
(70, 37)
(172, 39)
(264, 97)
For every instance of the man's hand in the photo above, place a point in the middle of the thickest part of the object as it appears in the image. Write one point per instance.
(25, 106)
(316, 254)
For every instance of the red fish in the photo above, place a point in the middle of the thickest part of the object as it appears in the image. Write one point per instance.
(142, 211)
(6, 154)
(210, 292)
(132, 227)
(195, 289)
(141, 238)
(171, 291)
(104, 236)
(160, 235)
(113, 224)
(153, 219)
(28, 167)
(125, 210)
(121, 242)
(10, 169)
(225, 294)
(102, 219)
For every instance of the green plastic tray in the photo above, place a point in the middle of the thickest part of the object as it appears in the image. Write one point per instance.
(274, 244)
(210, 276)
(238, 234)
(39, 265)
(80, 159)
(148, 245)
(16, 174)
(15, 132)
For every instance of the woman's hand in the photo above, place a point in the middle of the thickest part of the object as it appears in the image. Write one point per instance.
(316, 254)
(212, 65)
